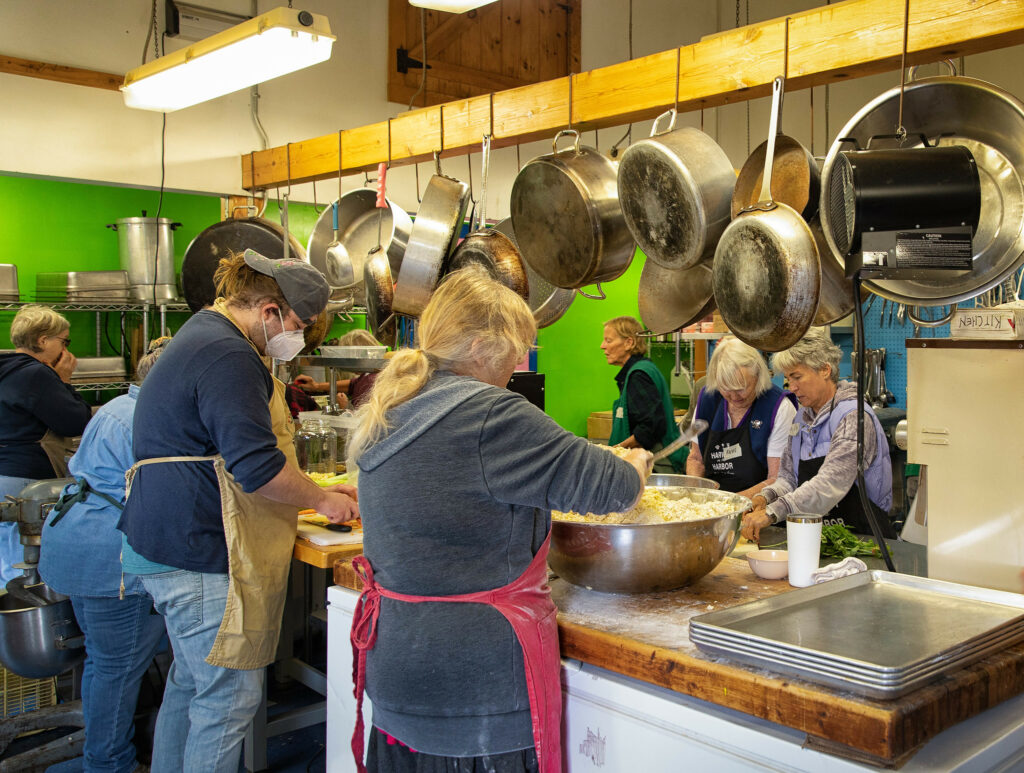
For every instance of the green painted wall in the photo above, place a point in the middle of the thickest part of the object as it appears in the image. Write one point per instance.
(578, 380)
(54, 225)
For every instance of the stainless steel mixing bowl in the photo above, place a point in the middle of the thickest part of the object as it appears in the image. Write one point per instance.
(646, 558)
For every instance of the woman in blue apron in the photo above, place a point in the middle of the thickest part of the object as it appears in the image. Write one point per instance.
(819, 468)
(748, 421)
(643, 415)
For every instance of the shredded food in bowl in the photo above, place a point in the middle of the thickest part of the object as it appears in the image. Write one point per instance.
(655, 507)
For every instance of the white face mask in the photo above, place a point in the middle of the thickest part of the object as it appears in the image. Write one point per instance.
(286, 344)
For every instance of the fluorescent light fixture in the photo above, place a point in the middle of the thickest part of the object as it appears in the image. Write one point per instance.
(272, 44)
(450, 6)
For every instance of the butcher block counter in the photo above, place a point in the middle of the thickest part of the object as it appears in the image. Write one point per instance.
(646, 637)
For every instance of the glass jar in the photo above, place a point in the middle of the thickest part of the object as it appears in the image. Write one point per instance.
(316, 446)
(328, 448)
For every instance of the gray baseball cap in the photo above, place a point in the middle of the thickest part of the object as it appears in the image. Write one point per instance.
(303, 286)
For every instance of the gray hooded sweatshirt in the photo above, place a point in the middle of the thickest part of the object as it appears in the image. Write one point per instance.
(457, 499)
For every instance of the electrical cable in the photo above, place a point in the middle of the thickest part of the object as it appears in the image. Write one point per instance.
(862, 489)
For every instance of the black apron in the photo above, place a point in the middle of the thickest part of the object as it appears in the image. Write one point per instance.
(848, 510)
(730, 459)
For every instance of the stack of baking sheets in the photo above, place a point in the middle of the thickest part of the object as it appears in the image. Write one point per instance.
(877, 634)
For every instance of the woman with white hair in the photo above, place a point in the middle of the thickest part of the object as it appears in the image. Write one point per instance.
(819, 467)
(748, 421)
(457, 480)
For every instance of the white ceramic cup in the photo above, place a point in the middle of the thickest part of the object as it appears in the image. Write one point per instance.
(803, 541)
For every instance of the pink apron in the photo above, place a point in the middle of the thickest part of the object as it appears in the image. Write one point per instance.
(526, 604)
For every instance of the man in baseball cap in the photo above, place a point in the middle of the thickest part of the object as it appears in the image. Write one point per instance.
(212, 510)
(303, 286)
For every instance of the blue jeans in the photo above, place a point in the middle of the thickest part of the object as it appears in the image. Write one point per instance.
(206, 709)
(121, 638)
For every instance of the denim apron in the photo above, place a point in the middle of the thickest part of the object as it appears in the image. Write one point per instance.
(260, 537)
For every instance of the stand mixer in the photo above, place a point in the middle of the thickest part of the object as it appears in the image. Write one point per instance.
(39, 637)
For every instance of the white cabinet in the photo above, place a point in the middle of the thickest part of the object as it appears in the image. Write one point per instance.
(615, 724)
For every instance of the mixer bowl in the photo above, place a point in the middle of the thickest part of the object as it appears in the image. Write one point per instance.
(29, 635)
(647, 558)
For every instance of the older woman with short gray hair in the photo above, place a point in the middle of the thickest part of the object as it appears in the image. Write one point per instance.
(748, 421)
(819, 465)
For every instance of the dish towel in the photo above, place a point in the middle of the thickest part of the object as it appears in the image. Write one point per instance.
(847, 566)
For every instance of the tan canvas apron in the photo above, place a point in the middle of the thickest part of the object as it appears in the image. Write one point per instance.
(57, 449)
(260, 536)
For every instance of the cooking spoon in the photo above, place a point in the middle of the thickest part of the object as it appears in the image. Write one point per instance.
(696, 427)
(339, 265)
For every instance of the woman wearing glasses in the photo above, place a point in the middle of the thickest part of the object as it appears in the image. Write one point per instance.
(819, 466)
(39, 409)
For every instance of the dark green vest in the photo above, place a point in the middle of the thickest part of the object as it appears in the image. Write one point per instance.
(620, 414)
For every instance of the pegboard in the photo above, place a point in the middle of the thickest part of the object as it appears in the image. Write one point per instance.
(892, 337)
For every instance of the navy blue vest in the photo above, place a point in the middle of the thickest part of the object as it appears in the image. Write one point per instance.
(712, 408)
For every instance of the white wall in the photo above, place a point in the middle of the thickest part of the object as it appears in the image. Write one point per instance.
(56, 130)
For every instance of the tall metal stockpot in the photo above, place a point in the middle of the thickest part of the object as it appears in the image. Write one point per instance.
(146, 248)
(675, 189)
(567, 219)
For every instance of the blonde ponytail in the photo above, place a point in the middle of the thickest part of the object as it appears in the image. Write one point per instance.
(403, 377)
(471, 323)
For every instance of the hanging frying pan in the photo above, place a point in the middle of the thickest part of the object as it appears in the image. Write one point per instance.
(204, 253)
(766, 271)
(380, 294)
(796, 179)
(547, 302)
(670, 299)
(433, 236)
(490, 248)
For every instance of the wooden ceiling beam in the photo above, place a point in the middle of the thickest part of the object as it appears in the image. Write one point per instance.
(74, 76)
(849, 39)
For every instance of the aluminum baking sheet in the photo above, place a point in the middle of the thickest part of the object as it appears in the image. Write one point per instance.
(872, 620)
(770, 660)
(845, 683)
(1005, 636)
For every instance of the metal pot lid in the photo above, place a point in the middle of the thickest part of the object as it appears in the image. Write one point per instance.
(218, 241)
(358, 220)
(767, 278)
(547, 302)
(990, 123)
(568, 221)
(434, 234)
(670, 299)
(676, 207)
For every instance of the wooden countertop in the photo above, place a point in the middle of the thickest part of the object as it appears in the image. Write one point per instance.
(646, 636)
(324, 556)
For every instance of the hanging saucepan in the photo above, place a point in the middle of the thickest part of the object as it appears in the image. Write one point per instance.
(359, 219)
(670, 299)
(434, 234)
(489, 247)
(380, 293)
(767, 274)
(547, 302)
(675, 189)
(796, 179)
(567, 218)
(205, 251)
